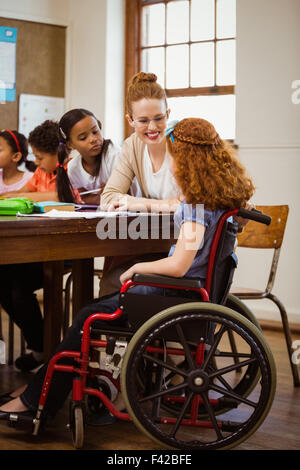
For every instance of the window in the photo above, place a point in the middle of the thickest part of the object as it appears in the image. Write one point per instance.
(190, 46)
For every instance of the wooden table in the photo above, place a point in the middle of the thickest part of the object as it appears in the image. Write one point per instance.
(52, 240)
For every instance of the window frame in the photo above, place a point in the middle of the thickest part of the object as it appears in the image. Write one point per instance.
(133, 53)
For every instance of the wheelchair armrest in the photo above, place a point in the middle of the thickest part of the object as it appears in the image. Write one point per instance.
(165, 281)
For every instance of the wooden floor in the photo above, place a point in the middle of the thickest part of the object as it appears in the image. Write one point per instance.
(280, 430)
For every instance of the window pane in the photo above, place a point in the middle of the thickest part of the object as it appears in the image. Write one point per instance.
(202, 64)
(226, 62)
(202, 20)
(219, 110)
(177, 73)
(226, 18)
(153, 25)
(153, 61)
(177, 22)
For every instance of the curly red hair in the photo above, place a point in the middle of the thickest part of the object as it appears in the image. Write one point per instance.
(207, 169)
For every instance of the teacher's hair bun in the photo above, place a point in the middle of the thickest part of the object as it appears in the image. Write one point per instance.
(143, 77)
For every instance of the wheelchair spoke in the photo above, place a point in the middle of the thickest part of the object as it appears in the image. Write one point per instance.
(214, 346)
(224, 383)
(211, 414)
(227, 369)
(186, 348)
(163, 392)
(165, 365)
(233, 395)
(181, 416)
(231, 354)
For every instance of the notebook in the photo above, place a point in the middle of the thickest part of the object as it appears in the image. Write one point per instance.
(46, 206)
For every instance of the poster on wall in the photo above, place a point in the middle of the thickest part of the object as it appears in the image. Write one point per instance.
(8, 47)
(35, 109)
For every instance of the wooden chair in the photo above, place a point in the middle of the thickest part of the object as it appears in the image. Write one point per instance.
(268, 237)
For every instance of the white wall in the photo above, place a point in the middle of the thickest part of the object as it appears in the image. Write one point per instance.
(88, 46)
(46, 11)
(268, 133)
(114, 71)
(95, 72)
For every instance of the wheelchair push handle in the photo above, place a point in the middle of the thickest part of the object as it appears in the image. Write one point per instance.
(256, 215)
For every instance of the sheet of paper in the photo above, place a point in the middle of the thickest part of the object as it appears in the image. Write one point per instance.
(35, 109)
(81, 215)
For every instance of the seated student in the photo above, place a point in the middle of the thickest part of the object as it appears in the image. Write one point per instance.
(88, 171)
(13, 152)
(194, 149)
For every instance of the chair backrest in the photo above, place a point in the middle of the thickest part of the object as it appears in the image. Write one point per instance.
(256, 235)
(225, 263)
(266, 236)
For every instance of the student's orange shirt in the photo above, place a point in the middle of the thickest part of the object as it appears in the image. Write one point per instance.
(42, 181)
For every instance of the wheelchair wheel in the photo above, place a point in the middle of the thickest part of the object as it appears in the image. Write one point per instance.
(206, 377)
(247, 378)
(77, 425)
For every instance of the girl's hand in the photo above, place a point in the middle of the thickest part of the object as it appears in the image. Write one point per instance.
(240, 220)
(127, 275)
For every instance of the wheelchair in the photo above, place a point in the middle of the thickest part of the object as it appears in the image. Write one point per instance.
(195, 371)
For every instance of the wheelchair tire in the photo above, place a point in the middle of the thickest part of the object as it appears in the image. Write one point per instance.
(77, 425)
(237, 305)
(200, 381)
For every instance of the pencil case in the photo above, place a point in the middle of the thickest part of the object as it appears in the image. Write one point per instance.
(12, 206)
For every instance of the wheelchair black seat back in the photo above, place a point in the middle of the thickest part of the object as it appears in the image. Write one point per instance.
(221, 266)
(182, 382)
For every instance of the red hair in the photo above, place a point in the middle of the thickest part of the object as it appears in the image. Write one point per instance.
(207, 170)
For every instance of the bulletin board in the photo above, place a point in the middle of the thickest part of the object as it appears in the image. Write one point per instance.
(40, 67)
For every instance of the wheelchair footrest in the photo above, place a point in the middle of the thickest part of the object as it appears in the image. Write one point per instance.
(21, 421)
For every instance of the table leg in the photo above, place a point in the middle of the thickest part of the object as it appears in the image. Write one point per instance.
(53, 305)
(83, 283)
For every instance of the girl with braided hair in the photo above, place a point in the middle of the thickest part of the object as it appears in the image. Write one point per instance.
(194, 147)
